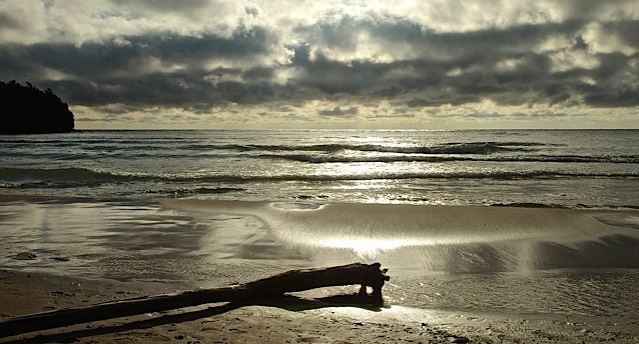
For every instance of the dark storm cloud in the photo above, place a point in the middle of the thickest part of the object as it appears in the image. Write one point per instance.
(623, 97)
(333, 77)
(426, 68)
(627, 31)
(461, 48)
(8, 22)
(167, 6)
(477, 53)
(477, 56)
(99, 73)
(339, 112)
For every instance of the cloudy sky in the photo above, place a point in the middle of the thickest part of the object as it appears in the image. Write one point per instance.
(327, 64)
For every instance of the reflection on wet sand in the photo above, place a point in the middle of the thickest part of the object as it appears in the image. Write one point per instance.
(445, 257)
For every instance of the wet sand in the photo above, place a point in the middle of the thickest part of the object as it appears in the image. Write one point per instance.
(300, 320)
(459, 274)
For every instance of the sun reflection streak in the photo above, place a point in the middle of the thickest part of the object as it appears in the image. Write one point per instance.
(366, 247)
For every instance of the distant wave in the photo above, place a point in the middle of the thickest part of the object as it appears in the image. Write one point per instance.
(314, 153)
(321, 157)
(594, 168)
(451, 148)
(317, 158)
(85, 176)
(198, 191)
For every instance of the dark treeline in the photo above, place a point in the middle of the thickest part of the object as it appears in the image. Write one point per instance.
(29, 110)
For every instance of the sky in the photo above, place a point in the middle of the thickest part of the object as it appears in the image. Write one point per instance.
(432, 64)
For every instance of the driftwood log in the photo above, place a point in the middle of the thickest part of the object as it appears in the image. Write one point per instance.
(367, 275)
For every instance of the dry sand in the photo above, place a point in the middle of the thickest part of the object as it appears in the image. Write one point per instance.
(291, 321)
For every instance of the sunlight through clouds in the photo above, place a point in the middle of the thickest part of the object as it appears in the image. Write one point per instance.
(347, 64)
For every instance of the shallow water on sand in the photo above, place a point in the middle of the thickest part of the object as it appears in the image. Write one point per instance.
(497, 259)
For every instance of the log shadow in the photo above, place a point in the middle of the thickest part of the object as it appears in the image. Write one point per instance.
(298, 304)
(287, 302)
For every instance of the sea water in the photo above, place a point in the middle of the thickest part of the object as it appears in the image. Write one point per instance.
(465, 220)
(572, 168)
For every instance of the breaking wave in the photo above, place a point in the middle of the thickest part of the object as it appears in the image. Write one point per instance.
(315, 158)
(84, 176)
(462, 167)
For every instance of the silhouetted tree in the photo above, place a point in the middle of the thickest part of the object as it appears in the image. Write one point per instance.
(29, 110)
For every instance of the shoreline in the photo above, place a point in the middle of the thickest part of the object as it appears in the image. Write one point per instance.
(89, 251)
(154, 199)
(297, 321)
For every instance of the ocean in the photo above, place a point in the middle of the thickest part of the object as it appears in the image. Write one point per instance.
(503, 221)
(556, 168)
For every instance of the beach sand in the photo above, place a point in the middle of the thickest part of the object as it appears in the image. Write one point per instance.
(459, 274)
(300, 320)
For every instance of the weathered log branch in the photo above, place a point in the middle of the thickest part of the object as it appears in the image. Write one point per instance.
(367, 275)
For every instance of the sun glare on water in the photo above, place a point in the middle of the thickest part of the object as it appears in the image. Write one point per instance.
(365, 247)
